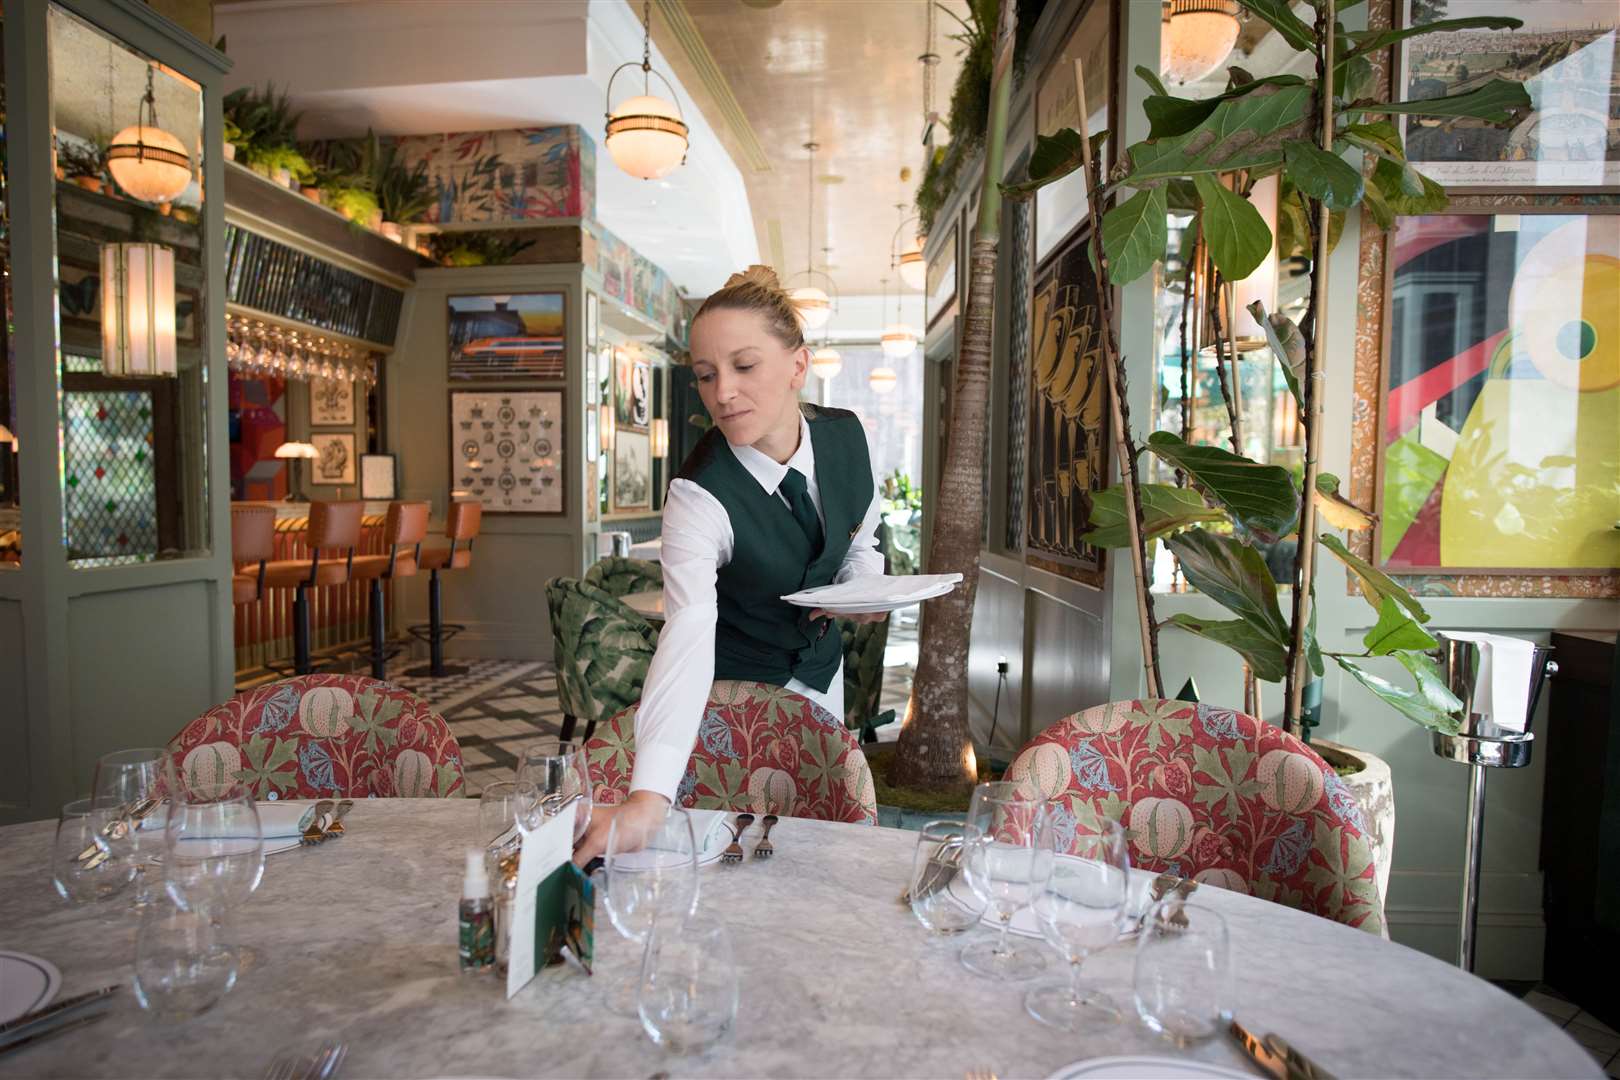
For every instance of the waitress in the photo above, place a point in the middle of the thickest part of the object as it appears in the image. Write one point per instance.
(777, 497)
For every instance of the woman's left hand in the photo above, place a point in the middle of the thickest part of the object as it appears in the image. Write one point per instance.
(876, 616)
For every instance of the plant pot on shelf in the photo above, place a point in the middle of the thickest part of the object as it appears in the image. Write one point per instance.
(374, 222)
(261, 168)
(165, 208)
(230, 151)
(1373, 788)
(312, 193)
(89, 183)
(390, 229)
(284, 177)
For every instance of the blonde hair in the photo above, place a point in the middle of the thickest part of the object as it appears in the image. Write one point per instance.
(757, 289)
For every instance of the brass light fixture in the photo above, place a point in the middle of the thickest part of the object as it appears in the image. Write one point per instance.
(815, 307)
(646, 135)
(1197, 37)
(147, 162)
(137, 310)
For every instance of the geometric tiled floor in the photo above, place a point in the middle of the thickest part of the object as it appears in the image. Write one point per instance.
(1600, 1040)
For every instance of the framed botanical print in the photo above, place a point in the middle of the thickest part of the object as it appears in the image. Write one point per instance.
(632, 471)
(331, 401)
(334, 457)
(1061, 206)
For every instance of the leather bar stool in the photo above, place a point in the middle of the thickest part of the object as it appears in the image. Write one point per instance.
(332, 526)
(253, 540)
(403, 533)
(461, 523)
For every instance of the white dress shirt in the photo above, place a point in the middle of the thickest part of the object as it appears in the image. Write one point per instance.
(698, 540)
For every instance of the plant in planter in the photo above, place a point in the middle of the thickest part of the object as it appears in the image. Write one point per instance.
(283, 164)
(404, 195)
(258, 122)
(484, 248)
(353, 202)
(84, 164)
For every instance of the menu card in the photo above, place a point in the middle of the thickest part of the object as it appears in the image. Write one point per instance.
(545, 849)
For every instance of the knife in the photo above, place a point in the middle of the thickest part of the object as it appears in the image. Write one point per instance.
(47, 1030)
(1275, 1057)
(28, 1025)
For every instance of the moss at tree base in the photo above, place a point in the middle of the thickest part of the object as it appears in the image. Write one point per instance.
(953, 799)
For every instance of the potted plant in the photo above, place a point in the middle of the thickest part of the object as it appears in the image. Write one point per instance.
(82, 163)
(235, 137)
(283, 164)
(262, 127)
(353, 202)
(482, 248)
(404, 195)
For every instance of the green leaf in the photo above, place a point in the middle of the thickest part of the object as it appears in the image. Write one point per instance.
(1431, 684)
(1234, 575)
(1339, 511)
(1290, 27)
(1237, 235)
(1352, 77)
(1494, 102)
(1313, 647)
(1054, 157)
(1165, 509)
(1260, 498)
(1170, 115)
(1407, 191)
(1267, 659)
(1287, 345)
(1396, 630)
(1151, 77)
(1373, 202)
(1322, 175)
(1379, 137)
(1409, 703)
(1134, 235)
(1372, 40)
(1375, 584)
(1244, 132)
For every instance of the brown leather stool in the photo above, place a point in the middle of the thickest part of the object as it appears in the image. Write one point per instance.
(332, 525)
(253, 540)
(461, 523)
(405, 528)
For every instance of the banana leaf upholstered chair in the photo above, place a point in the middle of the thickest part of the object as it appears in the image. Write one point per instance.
(760, 748)
(322, 736)
(864, 645)
(618, 576)
(1213, 795)
(602, 651)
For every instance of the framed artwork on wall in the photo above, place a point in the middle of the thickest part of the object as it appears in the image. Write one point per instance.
(508, 337)
(331, 401)
(940, 283)
(507, 449)
(1068, 416)
(593, 433)
(1567, 56)
(377, 476)
(593, 317)
(591, 483)
(334, 457)
(1498, 445)
(1061, 206)
(632, 391)
(632, 471)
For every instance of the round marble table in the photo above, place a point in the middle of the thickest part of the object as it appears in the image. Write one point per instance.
(355, 940)
(649, 605)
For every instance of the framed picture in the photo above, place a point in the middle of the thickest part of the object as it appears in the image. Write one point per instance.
(331, 401)
(592, 482)
(377, 476)
(1497, 446)
(939, 289)
(632, 471)
(334, 457)
(632, 391)
(593, 318)
(1061, 206)
(521, 336)
(604, 374)
(593, 432)
(1068, 416)
(1565, 56)
(187, 306)
(507, 449)
(590, 390)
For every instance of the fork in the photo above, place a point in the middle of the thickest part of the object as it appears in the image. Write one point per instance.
(734, 853)
(295, 1066)
(317, 824)
(763, 849)
(334, 828)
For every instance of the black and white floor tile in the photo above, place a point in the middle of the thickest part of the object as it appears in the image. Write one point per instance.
(1596, 1037)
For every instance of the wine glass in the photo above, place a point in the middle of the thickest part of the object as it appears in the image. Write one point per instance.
(687, 998)
(1079, 911)
(1002, 868)
(559, 773)
(650, 875)
(934, 867)
(213, 848)
(502, 805)
(83, 868)
(182, 967)
(1183, 978)
(128, 790)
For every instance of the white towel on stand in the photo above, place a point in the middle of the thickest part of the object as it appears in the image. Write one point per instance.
(1502, 691)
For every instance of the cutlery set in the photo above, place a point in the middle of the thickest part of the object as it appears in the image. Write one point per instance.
(1275, 1057)
(55, 1018)
(294, 1066)
(762, 850)
(325, 823)
(128, 817)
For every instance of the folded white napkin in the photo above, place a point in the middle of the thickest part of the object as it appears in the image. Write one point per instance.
(1503, 689)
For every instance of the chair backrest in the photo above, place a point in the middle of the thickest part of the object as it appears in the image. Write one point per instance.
(322, 736)
(1214, 795)
(619, 576)
(253, 532)
(406, 524)
(602, 649)
(760, 748)
(335, 524)
(462, 520)
(864, 645)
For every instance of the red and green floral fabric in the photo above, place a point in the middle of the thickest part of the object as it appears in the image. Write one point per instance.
(760, 748)
(1213, 795)
(322, 736)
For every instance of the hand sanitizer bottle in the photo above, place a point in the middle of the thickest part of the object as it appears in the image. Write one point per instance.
(477, 917)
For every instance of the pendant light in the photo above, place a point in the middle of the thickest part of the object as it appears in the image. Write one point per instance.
(882, 380)
(646, 135)
(1196, 37)
(909, 259)
(815, 307)
(826, 362)
(137, 310)
(898, 338)
(147, 162)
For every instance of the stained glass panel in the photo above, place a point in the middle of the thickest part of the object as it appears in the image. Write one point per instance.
(110, 487)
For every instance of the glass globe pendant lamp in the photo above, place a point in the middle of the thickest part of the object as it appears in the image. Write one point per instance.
(147, 162)
(646, 135)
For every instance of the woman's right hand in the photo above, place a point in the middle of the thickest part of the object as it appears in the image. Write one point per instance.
(639, 817)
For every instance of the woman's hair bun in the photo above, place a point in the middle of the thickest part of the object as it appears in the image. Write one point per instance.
(758, 289)
(757, 274)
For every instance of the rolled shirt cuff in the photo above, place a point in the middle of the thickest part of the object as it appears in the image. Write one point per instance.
(659, 769)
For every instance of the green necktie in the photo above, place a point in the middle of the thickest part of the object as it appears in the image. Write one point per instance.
(797, 490)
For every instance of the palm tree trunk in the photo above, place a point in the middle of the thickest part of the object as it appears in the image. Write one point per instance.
(936, 745)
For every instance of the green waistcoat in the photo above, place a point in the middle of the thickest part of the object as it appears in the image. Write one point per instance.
(759, 637)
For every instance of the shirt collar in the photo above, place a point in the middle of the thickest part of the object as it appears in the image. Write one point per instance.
(768, 471)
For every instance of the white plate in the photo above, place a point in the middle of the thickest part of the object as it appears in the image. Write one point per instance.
(26, 983)
(713, 837)
(1143, 1067)
(874, 593)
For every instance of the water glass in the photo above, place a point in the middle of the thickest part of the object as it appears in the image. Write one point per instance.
(1080, 911)
(687, 998)
(650, 875)
(1003, 868)
(558, 771)
(502, 805)
(213, 849)
(182, 967)
(96, 875)
(935, 868)
(1184, 972)
(127, 783)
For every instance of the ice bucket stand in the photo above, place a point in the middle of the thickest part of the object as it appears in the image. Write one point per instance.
(1481, 744)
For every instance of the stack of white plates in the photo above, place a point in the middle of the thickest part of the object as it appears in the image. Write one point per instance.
(875, 593)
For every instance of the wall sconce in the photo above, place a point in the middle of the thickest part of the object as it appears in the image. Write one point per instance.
(293, 453)
(660, 437)
(137, 310)
(606, 426)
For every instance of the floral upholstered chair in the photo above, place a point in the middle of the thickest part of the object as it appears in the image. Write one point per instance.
(1213, 795)
(864, 645)
(618, 576)
(322, 736)
(760, 748)
(602, 650)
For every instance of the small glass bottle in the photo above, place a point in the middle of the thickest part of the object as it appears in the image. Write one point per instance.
(477, 917)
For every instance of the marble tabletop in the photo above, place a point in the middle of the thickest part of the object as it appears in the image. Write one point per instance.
(649, 605)
(355, 940)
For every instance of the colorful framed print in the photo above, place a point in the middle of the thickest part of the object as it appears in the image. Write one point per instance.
(508, 337)
(632, 471)
(1567, 56)
(939, 289)
(632, 391)
(331, 401)
(1498, 442)
(1068, 416)
(1060, 207)
(507, 449)
(334, 458)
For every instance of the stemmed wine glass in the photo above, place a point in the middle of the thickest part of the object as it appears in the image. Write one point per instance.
(651, 877)
(127, 794)
(213, 848)
(1079, 910)
(1002, 868)
(559, 773)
